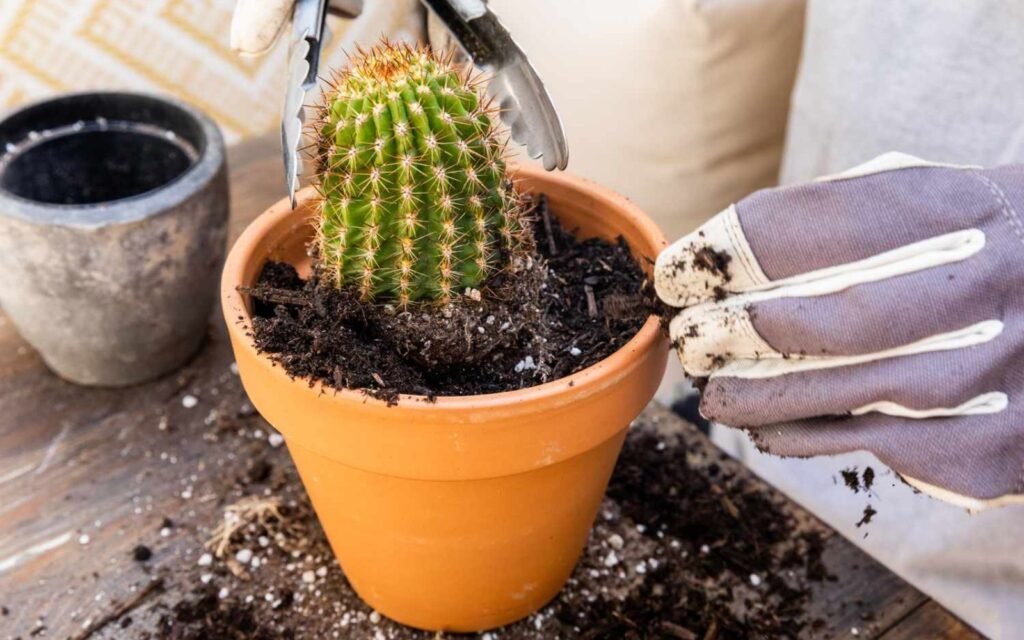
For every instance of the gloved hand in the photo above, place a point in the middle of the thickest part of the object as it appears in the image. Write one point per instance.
(257, 24)
(881, 309)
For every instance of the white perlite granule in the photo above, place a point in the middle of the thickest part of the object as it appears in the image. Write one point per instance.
(525, 364)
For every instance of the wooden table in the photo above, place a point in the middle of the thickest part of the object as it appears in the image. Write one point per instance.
(86, 475)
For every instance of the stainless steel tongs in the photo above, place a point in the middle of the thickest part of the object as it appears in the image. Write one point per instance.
(524, 103)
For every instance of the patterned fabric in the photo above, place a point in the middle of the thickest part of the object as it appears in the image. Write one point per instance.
(178, 47)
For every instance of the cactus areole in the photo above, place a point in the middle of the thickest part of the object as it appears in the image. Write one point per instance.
(416, 202)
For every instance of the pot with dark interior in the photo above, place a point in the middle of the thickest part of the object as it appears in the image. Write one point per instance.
(113, 217)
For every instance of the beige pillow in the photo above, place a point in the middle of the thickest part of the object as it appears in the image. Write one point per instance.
(679, 104)
(938, 80)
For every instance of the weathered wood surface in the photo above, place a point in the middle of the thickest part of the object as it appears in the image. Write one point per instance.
(88, 474)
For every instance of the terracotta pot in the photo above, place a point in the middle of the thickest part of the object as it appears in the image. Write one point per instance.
(471, 512)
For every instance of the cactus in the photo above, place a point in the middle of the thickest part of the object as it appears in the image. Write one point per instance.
(416, 203)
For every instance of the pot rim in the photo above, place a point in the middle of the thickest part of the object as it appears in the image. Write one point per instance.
(592, 379)
(133, 208)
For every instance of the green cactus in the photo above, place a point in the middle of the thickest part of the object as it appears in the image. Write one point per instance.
(416, 202)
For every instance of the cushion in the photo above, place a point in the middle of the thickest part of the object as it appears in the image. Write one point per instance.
(939, 80)
(176, 48)
(679, 105)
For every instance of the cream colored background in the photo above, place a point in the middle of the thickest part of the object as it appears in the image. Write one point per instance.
(170, 46)
(680, 105)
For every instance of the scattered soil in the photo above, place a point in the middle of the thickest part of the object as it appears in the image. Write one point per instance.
(856, 481)
(708, 260)
(569, 306)
(684, 547)
(737, 551)
(851, 479)
(712, 261)
(868, 478)
(205, 616)
(869, 513)
(687, 543)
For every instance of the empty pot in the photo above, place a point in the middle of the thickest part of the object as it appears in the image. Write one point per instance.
(113, 218)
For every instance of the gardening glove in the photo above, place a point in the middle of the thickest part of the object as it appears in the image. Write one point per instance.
(881, 309)
(257, 24)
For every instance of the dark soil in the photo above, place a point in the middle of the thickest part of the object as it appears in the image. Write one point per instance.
(738, 553)
(712, 261)
(686, 545)
(858, 482)
(205, 616)
(851, 479)
(708, 260)
(571, 305)
(869, 512)
(868, 478)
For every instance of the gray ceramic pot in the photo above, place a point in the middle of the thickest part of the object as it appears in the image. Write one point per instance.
(113, 218)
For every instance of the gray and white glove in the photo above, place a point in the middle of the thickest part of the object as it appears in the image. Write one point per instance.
(258, 24)
(881, 309)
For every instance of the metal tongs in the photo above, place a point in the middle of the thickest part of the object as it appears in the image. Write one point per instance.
(524, 104)
(303, 67)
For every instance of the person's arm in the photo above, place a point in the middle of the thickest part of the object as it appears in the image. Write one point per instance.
(881, 309)
(257, 25)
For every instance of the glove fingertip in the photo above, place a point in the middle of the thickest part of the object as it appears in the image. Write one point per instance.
(708, 264)
(256, 25)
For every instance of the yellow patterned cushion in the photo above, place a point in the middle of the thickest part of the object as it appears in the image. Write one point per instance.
(167, 46)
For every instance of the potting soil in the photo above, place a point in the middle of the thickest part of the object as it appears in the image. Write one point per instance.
(575, 304)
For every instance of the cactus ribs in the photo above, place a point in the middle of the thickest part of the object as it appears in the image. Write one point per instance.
(416, 201)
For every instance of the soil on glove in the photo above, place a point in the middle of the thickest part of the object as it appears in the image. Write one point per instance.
(565, 308)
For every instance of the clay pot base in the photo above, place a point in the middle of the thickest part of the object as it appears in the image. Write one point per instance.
(577, 303)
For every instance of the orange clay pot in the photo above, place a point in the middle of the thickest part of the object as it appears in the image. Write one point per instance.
(470, 512)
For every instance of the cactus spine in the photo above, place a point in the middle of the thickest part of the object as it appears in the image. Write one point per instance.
(416, 203)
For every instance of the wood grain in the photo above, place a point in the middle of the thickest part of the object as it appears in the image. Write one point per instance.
(930, 621)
